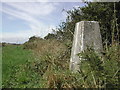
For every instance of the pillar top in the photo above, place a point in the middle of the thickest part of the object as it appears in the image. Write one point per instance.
(88, 22)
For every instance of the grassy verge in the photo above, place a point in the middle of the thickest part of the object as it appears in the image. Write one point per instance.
(31, 68)
(12, 57)
(47, 66)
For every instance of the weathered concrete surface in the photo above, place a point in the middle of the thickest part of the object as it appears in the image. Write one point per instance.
(87, 33)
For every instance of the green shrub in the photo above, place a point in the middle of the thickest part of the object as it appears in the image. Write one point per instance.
(100, 71)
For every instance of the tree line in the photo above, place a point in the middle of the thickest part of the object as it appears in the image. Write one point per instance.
(106, 13)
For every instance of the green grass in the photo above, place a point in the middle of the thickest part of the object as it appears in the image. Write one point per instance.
(0, 67)
(12, 57)
(26, 68)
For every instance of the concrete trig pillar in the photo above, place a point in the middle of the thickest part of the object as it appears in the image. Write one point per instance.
(87, 33)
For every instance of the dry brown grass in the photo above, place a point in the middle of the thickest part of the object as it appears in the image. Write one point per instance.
(51, 51)
(51, 47)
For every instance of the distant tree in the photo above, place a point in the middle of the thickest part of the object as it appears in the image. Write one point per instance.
(50, 36)
(3, 44)
(33, 38)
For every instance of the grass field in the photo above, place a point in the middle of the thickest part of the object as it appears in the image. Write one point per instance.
(41, 67)
(23, 68)
(12, 58)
